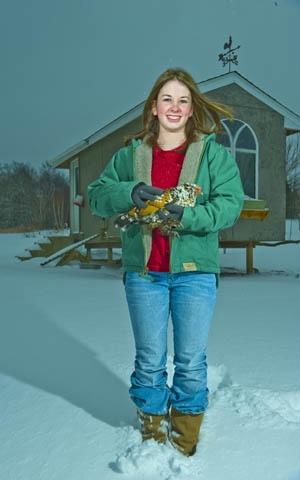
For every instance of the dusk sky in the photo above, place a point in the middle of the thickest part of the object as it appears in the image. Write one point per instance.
(68, 67)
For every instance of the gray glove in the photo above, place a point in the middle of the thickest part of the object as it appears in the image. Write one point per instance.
(175, 212)
(142, 192)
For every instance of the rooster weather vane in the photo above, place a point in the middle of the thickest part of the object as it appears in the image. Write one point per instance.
(229, 57)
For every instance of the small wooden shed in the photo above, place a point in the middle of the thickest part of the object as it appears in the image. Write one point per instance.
(256, 138)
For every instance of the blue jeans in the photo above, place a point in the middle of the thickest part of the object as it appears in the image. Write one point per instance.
(190, 297)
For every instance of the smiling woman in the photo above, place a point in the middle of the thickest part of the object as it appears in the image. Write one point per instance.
(173, 108)
(176, 110)
(177, 274)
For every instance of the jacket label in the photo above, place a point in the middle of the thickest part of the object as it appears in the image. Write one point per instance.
(191, 266)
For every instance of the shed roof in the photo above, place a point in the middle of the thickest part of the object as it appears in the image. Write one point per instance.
(291, 119)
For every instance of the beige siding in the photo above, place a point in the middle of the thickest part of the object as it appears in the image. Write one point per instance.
(92, 162)
(269, 129)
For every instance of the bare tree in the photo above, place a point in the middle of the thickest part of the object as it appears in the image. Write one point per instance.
(293, 176)
(31, 198)
(17, 194)
(293, 162)
(54, 192)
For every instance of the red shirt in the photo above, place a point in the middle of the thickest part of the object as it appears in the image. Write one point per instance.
(166, 168)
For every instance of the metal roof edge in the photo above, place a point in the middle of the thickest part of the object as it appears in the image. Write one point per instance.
(70, 152)
(100, 133)
(292, 120)
(118, 122)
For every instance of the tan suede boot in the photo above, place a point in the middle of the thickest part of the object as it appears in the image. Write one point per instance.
(153, 426)
(184, 431)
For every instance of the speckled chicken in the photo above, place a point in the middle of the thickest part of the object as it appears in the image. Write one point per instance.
(183, 195)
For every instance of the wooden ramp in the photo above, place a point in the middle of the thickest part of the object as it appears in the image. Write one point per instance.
(68, 253)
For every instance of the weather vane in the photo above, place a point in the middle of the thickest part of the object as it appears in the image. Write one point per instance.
(229, 57)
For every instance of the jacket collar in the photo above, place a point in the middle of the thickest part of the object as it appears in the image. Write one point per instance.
(142, 161)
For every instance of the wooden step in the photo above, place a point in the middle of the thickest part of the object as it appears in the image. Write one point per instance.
(60, 242)
(35, 253)
(23, 258)
(47, 248)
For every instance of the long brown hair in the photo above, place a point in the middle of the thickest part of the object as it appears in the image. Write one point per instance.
(206, 116)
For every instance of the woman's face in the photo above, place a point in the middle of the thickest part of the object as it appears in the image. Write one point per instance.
(173, 106)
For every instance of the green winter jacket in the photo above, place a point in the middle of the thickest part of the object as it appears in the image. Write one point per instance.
(206, 163)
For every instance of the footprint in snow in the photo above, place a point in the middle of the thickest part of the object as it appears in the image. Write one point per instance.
(257, 407)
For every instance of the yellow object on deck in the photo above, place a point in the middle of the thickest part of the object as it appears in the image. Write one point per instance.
(255, 214)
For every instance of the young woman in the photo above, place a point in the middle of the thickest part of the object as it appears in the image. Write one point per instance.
(176, 275)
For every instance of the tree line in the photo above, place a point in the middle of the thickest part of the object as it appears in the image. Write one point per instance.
(293, 162)
(293, 176)
(40, 199)
(33, 198)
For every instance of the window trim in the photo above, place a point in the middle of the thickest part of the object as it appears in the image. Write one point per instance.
(233, 149)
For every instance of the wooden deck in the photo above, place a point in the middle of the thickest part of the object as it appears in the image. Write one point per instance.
(115, 242)
(111, 242)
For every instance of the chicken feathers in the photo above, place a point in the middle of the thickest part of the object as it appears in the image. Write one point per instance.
(184, 195)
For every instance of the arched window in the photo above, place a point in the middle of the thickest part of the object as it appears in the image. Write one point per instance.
(241, 141)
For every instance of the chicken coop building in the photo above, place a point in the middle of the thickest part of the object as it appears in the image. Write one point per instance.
(256, 138)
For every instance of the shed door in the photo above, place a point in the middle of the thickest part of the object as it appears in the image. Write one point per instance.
(74, 190)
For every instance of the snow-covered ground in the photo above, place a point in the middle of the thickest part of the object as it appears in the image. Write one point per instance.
(66, 353)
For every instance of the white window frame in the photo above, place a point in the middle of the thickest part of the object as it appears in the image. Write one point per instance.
(233, 149)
